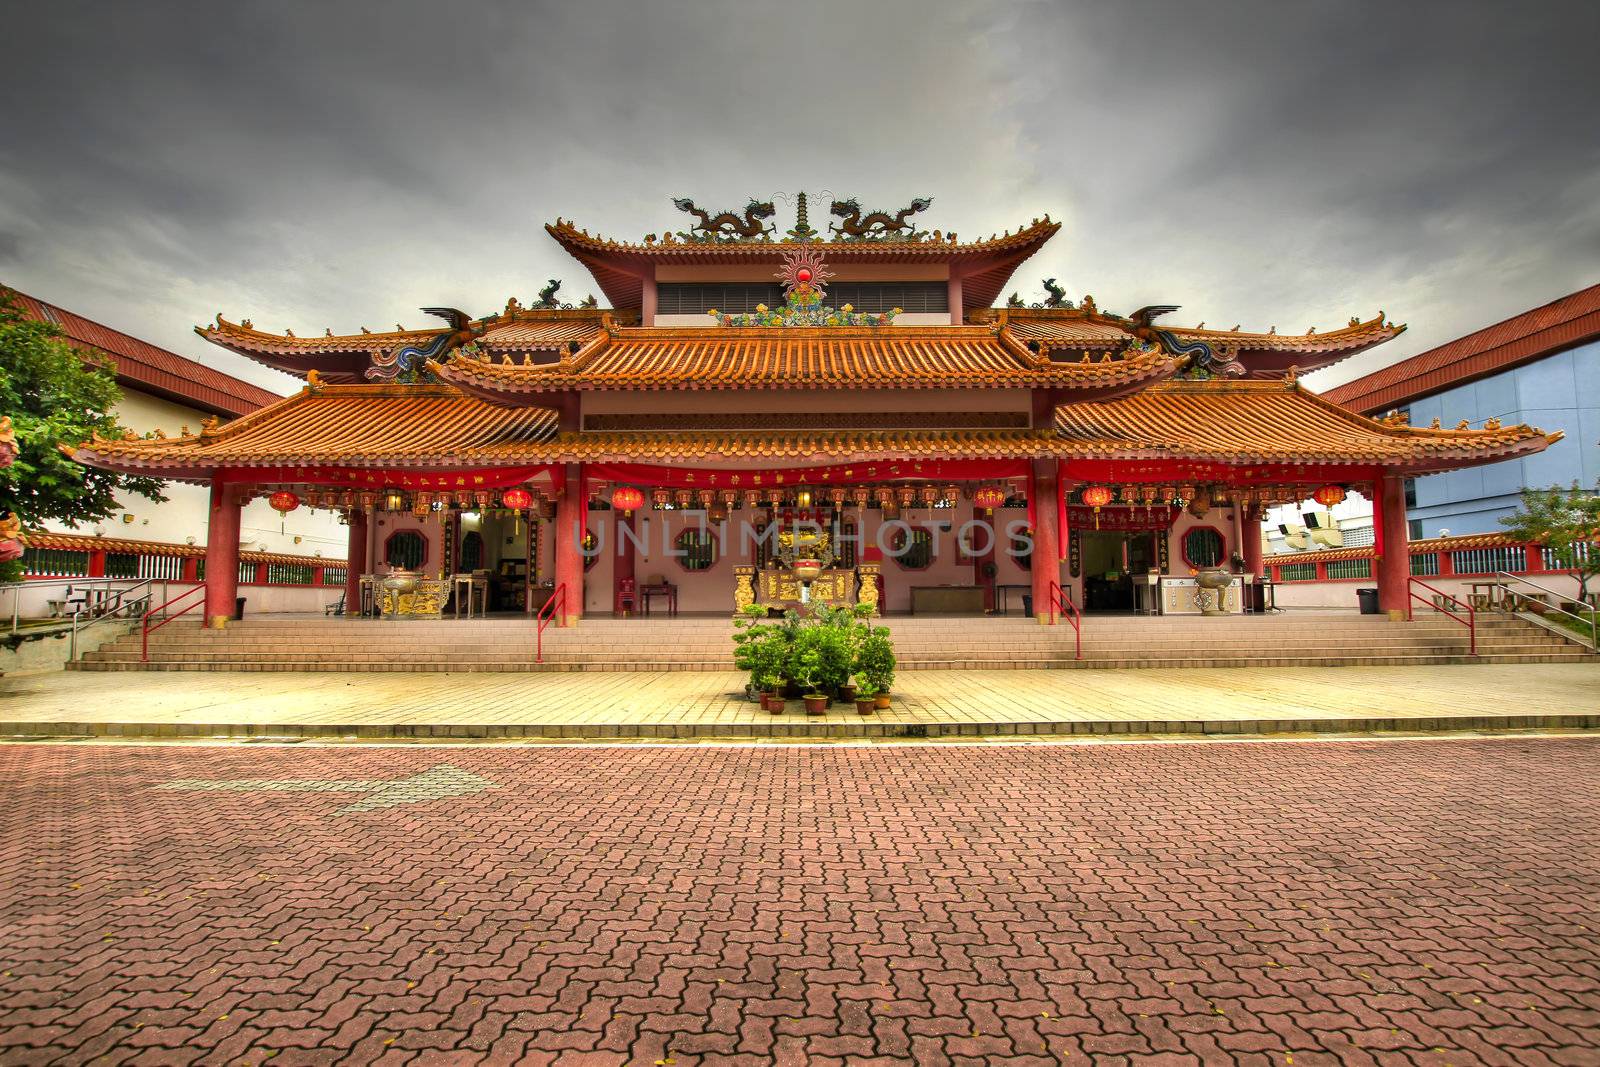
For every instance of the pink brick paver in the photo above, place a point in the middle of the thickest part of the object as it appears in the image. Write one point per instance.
(1349, 902)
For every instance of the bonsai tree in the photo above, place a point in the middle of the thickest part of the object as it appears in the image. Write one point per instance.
(1567, 523)
(756, 647)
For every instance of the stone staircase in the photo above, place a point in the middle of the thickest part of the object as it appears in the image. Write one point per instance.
(703, 644)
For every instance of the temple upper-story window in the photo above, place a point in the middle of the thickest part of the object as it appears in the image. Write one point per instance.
(405, 550)
(741, 298)
(698, 549)
(1203, 546)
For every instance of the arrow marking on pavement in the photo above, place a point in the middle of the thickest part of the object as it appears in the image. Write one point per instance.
(437, 783)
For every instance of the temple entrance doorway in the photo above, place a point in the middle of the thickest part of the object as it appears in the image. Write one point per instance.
(1110, 560)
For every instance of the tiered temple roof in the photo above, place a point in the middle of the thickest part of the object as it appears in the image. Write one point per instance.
(1120, 388)
(442, 428)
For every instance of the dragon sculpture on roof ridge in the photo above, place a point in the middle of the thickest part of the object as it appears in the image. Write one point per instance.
(854, 225)
(727, 226)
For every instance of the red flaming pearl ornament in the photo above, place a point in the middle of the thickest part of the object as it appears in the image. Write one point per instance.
(803, 274)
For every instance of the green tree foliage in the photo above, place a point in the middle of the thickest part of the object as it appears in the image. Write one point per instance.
(1567, 523)
(55, 398)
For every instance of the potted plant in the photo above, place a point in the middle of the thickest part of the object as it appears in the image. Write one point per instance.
(805, 666)
(753, 643)
(866, 695)
(875, 664)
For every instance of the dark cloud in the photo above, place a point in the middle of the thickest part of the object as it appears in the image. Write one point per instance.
(341, 164)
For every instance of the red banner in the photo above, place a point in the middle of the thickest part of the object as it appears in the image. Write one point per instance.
(1159, 517)
(1142, 472)
(921, 470)
(401, 478)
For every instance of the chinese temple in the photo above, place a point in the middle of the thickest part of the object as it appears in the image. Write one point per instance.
(795, 417)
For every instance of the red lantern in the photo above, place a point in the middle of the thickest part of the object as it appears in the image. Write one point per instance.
(627, 498)
(283, 501)
(516, 498)
(1097, 497)
(989, 497)
(1329, 495)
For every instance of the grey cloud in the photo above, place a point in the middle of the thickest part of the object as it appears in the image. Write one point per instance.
(342, 164)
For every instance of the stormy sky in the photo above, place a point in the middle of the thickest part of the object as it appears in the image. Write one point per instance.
(341, 164)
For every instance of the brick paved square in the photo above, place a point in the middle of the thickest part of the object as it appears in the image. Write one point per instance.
(1386, 902)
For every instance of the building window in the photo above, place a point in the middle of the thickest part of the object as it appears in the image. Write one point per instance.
(1411, 492)
(697, 549)
(472, 551)
(734, 298)
(405, 550)
(1203, 547)
(1414, 529)
(914, 298)
(913, 548)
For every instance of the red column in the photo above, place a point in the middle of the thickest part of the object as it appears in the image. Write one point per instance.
(569, 548)
(97, 563)
(1394, 565)
(222, 555)
(622, 556)
(1250, 538)
(954, 290)
(1043, 488)
(356, 560)
(191, 569)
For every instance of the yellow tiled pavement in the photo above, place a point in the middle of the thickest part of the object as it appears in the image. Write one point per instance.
(711, 699)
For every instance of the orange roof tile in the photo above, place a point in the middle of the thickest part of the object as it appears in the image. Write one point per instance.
(895, 357)
(621, 266)
(1554, 327)
(140, 365)
(1259, 421)
(345, 357)
(439, 427)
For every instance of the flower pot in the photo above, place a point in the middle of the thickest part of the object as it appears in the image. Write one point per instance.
(881, 702)
(771, 701)
(816, 703)
(864, 705)
(847, 692)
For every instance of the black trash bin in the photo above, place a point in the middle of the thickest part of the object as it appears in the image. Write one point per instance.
(238, 608)
(1369, 601)
(1027, 604)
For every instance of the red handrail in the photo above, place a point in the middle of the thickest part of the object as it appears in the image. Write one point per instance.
(558, 599)
(1060, 600)
(1470, 622)
(144, 649)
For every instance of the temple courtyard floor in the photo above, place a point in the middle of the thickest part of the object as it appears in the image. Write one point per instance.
(1295, 902)
(691, 705)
